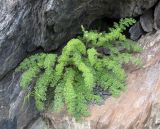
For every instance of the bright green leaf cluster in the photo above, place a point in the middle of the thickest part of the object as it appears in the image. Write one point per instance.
(81, 67)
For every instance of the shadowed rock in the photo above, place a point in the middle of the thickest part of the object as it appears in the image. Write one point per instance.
(146, 21)
(14, 112)
(157, 17)
(8, 124)
(136, 31)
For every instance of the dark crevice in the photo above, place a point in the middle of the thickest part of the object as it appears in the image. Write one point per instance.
(103, 24)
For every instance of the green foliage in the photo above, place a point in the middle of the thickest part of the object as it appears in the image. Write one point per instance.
(81, 66)
(40, 67)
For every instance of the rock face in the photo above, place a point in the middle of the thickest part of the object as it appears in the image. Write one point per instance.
(157, 17)
(39, 124)
(146, 21)
(20, 26)
(14, 112)
(137, 108)
(27, 24)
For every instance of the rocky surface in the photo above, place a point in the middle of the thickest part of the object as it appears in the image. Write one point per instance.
(14, 112)
(138, 107)
(26, 25)
(136, 31)
(146, 21)
(157, 17)
(29, 25)
(20, 26)
(39, 124)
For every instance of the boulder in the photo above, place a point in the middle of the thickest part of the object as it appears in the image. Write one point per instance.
(138, 107)
(136, 31)
(146, 21)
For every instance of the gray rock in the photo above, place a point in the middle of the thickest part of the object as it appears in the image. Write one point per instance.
(8, 124)
(146, 21)
(26, 24)
(157, 17)
(39, 124)
(136, 31)
(19, 28)
(14, 113)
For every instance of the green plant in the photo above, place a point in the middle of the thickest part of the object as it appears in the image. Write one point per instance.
(46, 128)
(80, 67)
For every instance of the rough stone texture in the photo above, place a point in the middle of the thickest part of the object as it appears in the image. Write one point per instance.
(14, 113)
(137, 108)
(39, 124)
(157, 17)
(136, 31)
(146, 21)
(20, 26)
(28, 24)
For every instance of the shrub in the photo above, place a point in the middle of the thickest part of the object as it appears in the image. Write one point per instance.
(80, 67)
